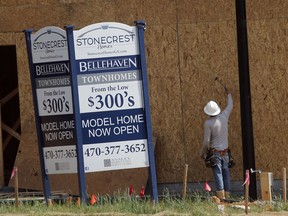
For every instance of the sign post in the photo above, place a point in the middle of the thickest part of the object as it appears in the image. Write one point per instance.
(141, 25)
(80, 161)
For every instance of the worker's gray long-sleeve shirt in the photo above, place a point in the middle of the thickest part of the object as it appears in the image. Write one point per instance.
(216, 129)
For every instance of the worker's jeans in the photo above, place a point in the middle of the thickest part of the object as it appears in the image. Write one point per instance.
(221, 172)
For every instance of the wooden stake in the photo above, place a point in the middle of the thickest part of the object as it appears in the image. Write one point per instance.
(284, 185)
(49, 201)
(69, 200)
(16, 187)
(78, 201)
(185, 181)
(247, 191)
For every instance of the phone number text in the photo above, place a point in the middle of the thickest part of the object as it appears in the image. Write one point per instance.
(114, 149)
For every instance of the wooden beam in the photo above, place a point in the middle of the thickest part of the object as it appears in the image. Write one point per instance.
(9, 137)
(266, 184)
(11, 131)
(9, 96)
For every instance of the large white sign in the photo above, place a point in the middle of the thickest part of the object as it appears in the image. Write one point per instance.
(110, 97)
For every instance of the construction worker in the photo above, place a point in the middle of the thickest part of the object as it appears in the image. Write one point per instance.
(216, 141)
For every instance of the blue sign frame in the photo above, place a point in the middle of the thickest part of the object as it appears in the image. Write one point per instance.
(141, 25)
(80, 160)
(45, 177)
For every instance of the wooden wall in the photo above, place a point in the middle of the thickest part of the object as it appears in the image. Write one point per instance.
(188, 44)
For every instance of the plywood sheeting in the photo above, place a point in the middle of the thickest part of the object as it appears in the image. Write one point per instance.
(265, 9)
(195, 11)
(269, 76)
(168, 130)
(166, 100)
(208, 51)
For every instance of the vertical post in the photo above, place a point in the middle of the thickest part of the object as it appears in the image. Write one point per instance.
(45, 178)
(1, 153)
(247, 190)
(50, 202)
(284, 185)
(185, 181)
(141, 25)
(74, 84)
(245, 96)
(16, 187)
(266, 184)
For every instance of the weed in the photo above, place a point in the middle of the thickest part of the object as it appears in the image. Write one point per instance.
(198, 204)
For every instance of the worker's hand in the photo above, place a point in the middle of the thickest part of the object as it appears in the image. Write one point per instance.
(202, 152)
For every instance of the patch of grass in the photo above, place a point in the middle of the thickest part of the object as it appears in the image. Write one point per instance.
(194, 204)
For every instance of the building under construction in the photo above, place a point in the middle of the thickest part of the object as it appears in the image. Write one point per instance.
(190, 45)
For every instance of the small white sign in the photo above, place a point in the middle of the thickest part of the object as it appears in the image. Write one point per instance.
(60, 159)
(54, 101)
(49, 44)
(115, 155)
(106, 39)
(110, 97)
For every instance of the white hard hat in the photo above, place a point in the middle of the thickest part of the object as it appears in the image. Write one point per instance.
(212, 108)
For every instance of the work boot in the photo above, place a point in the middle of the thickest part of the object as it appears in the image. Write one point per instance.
(227, 194)
(220, 194)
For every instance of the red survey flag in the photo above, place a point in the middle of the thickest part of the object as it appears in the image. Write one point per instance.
(142, 192)
(247, 179)
(131, 190)
(93, 199)
(13, 172)
(207, 187)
